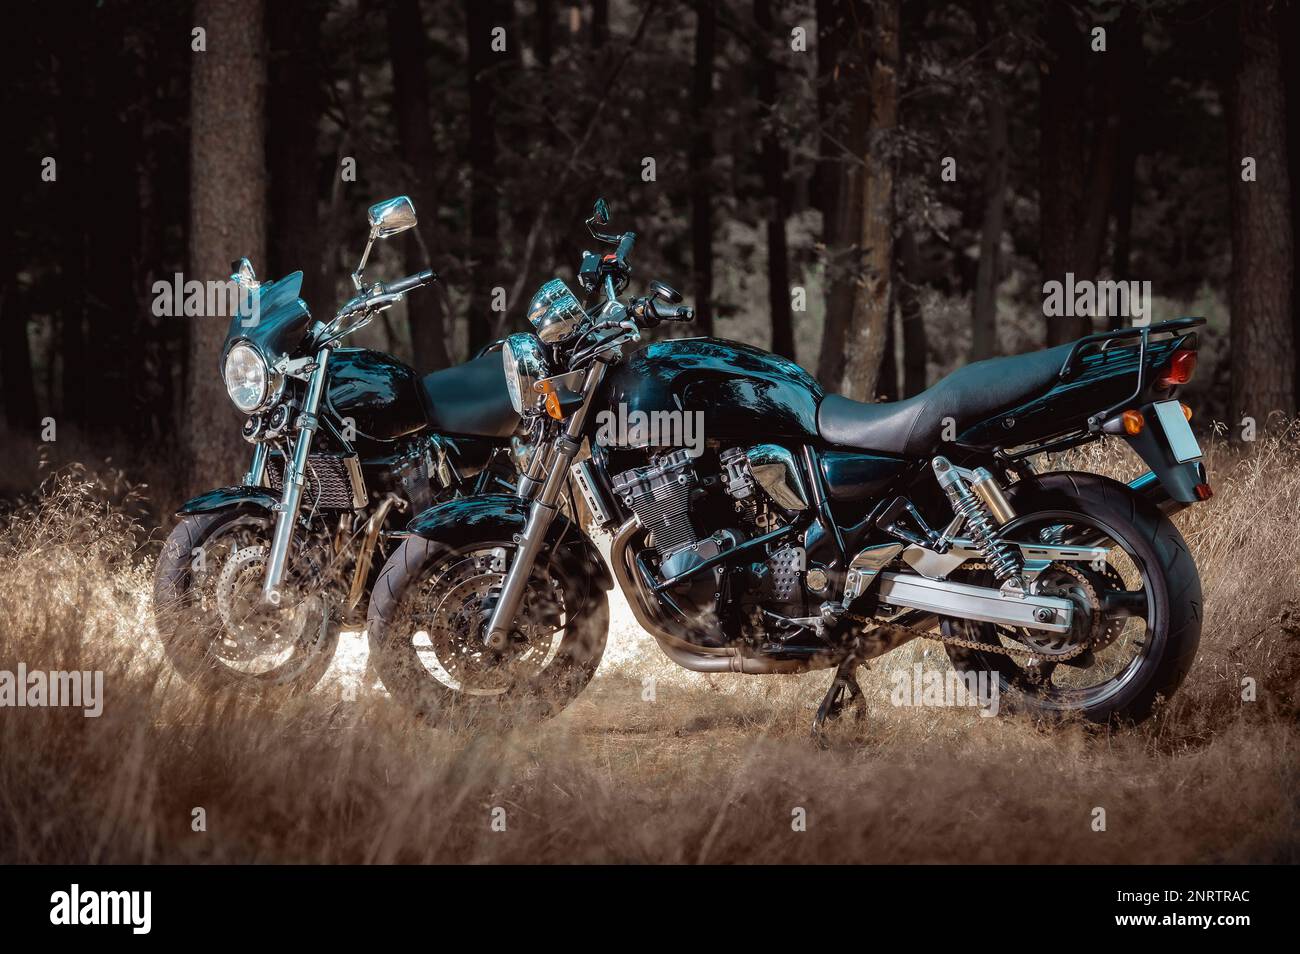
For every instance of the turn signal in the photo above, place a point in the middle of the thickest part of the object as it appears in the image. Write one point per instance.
(1133, 422)
(1203, 491)
(553, 406)
(1180, 369)
(1187, 411)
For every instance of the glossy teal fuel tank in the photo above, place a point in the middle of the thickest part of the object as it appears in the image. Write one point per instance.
(745, 393)
(379, 393)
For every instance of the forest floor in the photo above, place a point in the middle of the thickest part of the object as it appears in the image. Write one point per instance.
(651, 764)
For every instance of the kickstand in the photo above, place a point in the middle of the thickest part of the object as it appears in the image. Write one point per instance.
(844, 684)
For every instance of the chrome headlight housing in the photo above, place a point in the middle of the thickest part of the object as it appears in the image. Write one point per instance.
(251, 384)
(524, 359)
(555, 312)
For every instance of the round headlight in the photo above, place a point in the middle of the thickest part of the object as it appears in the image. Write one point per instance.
(555, 312)
(247, 381)
(524, 360)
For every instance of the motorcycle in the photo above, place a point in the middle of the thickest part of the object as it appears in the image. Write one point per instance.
(256, 581)
(807, 531)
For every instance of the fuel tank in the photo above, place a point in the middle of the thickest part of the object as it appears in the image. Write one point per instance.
(379, 393)
(745, 394)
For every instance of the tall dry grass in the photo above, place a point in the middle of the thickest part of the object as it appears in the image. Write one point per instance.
(710, 769)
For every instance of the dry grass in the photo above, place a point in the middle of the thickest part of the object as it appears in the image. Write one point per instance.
(712, 770)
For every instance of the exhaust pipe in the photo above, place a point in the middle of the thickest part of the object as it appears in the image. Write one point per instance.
(684, 654)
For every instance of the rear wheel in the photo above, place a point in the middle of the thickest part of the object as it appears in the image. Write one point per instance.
(1137, 615)
(430, 609)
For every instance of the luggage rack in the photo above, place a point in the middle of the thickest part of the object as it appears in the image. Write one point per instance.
(1106, 338)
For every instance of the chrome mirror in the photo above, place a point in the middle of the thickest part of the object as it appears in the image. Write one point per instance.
(242, 273)
(391, 217)
(387, 218)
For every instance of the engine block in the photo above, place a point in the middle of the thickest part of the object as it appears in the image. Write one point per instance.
(660, 496)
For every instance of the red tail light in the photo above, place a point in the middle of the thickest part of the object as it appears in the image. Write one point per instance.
(1180, 369)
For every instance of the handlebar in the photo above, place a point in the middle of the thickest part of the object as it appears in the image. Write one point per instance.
(670, 312)
(410, 282)
(625, 246)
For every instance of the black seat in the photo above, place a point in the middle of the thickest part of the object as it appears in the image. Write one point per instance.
(912, 427)
(470, 398)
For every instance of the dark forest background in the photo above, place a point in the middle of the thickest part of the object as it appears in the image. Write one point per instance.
(874, 187)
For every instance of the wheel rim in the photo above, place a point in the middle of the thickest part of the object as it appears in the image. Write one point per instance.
(1130, 625)
(239, 634)
(443, 620)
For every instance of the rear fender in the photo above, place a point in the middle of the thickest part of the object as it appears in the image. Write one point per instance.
(228, 498)
(1175, 483)
(499, 517)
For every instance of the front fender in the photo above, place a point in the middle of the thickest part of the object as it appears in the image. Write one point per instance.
(500, 516)
(225, 498)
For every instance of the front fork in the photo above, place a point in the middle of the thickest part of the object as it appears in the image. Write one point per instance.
(545, 505)
(294, 478)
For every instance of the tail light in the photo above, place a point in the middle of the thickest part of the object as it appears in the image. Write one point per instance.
(1179, 371)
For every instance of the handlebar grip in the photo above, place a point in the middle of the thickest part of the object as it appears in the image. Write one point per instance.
(660, 312)
(409, 282)
(625, 246)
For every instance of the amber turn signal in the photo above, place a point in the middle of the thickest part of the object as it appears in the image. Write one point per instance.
(553, 406)
(1133, 422)
(1187, 411)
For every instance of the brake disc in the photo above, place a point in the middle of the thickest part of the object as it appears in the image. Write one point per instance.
(464, 596)
(250, 630)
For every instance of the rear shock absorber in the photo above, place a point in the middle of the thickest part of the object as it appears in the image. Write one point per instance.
(1003, 559)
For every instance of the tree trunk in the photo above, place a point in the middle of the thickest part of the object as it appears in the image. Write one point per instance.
(916, 343)
(984, 303)
(1262, 333)
(845, 102)
(295, 102)
(484, 214)
(1075, 185)
(773, 161)
(1291, 66)
(227, 215)
(408, 45)
(873, 300)
(70, 204)
(701, 166)
(1129, 50)
(599, 23)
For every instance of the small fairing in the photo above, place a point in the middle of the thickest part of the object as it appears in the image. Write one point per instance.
(377, 392)
(274, 319)
(744, 393)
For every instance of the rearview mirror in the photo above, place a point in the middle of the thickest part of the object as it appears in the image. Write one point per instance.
(391, 217)
(600, 212)
(665, 292)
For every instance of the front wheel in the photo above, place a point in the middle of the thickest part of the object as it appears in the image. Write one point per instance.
(430, 609)
(207, 608)
(1137, 614)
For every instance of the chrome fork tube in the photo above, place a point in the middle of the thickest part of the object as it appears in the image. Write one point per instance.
(294, 477)
(257, 468)
(540, 515)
